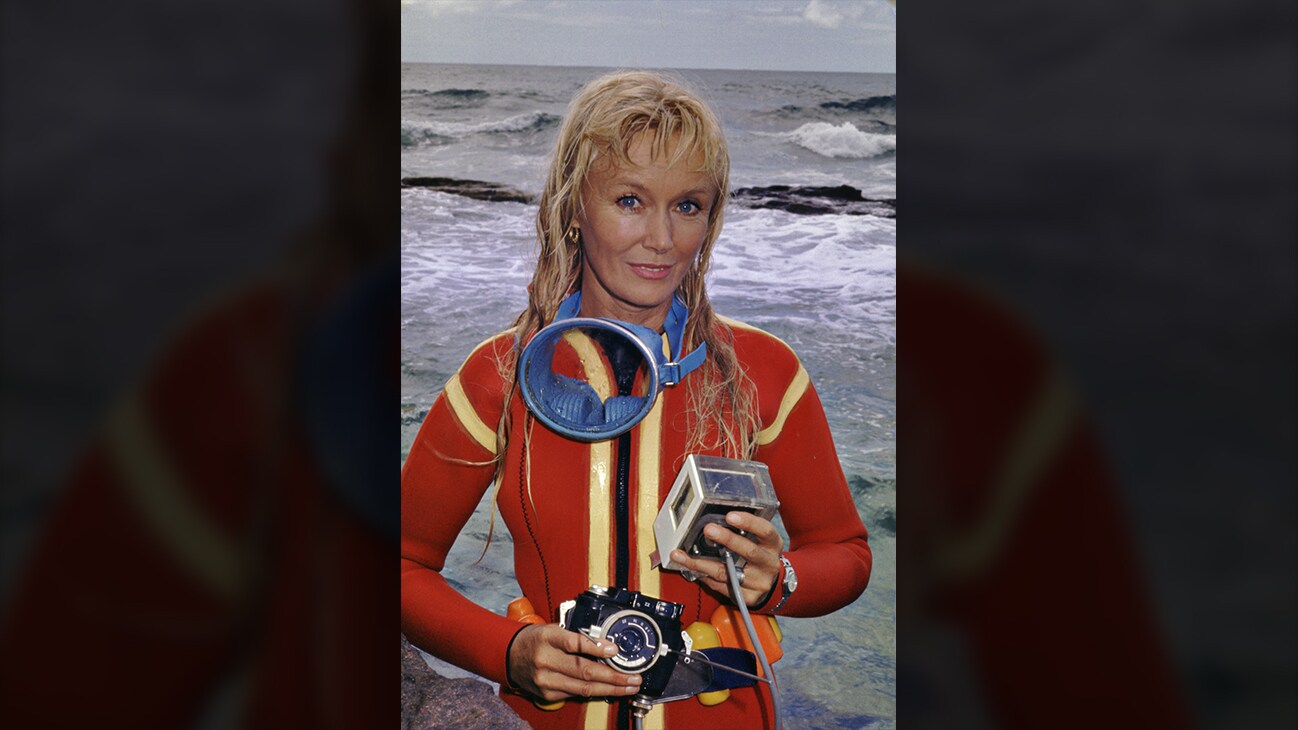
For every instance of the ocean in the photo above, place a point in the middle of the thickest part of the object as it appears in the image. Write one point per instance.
(808, 253)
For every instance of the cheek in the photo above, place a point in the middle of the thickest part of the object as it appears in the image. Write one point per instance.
(692, 241)
(612, 235)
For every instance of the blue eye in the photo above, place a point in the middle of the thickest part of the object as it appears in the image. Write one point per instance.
(628, 201)
(689, 207)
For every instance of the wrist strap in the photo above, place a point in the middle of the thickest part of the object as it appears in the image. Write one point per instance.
(784, 584)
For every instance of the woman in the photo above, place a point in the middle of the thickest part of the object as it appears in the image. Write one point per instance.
(630, 212)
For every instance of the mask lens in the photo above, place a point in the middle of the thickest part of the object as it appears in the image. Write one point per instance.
(588, 379)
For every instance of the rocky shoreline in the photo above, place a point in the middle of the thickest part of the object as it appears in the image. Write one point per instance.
(808, 200)
(476, 189)
(429, 700)
(799, 200)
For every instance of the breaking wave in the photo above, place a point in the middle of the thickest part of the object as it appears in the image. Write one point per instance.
(447, 98)
(434, 133)
(842, 141)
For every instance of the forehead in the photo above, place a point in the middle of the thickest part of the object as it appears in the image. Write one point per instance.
(647, 159)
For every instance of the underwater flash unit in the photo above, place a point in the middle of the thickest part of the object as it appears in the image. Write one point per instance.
(706, 489)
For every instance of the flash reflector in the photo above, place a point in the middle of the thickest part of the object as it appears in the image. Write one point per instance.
(706, 489)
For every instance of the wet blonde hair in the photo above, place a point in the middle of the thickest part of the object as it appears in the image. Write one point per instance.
(604, 120)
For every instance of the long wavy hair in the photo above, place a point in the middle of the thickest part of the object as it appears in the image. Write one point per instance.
(605, 118)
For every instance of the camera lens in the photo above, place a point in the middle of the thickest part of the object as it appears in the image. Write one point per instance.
(630, 642)
(637, 639)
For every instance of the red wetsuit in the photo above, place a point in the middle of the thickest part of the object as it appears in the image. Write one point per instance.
(566, 534)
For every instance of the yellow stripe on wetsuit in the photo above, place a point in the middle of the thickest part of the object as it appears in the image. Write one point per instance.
(599, 534)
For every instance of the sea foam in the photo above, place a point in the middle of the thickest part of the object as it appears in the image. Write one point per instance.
(519, 123)
(839, 270)
(843, 140)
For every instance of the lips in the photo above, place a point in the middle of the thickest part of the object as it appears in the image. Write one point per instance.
(652, 271)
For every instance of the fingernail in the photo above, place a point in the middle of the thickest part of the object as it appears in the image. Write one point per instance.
(609, 649)
(678, 556)
(633, 680)
(733, 518)
(712, 531)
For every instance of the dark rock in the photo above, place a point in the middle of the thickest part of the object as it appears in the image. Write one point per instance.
(429, 700)
(872, 104)
(840, 200)
(477, 189)
(838, 192)
(887, 521)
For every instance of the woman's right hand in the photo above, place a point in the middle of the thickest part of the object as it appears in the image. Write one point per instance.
(552, 663)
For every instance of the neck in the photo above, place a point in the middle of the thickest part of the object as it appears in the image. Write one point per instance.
(597, 303)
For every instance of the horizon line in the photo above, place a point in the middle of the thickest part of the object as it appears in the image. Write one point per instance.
(662, 68)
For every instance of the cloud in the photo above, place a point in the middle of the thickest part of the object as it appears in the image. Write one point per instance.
(823, 14)
(871, 14)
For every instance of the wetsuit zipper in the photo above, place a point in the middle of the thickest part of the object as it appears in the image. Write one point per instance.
(622, 357)
(623, 510)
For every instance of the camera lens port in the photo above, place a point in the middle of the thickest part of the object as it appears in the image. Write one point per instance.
(636, 638)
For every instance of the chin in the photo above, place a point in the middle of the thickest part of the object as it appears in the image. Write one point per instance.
(650, 299)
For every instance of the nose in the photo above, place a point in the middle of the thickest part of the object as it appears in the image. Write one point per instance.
(658, 233)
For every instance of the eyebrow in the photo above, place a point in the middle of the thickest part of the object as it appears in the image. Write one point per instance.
(623, 181)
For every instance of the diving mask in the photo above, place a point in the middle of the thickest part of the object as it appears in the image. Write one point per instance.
(584, 404)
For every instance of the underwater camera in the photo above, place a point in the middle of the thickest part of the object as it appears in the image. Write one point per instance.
(706, 489)
(650, 642)
(646, 631)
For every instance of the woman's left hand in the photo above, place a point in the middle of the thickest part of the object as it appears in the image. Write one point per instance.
(761, 548)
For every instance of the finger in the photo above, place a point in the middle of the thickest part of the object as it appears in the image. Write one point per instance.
(572, 642)
(706, 569)
(574, 675)
(556, 685)
(761, 530)
(722, 587)
(758, 556)
(762, 556)
(749, 595)
(711, 569)
(734, 542)
(575, 687)
(588, 671)
(570, 661)
(755, 579)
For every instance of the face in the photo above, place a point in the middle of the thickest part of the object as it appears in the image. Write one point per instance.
(641, 229)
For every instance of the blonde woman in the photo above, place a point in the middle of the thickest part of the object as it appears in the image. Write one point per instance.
(631, 210)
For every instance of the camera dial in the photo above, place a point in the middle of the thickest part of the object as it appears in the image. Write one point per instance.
(637, 639)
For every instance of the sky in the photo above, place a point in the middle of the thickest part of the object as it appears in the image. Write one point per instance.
(774, 35)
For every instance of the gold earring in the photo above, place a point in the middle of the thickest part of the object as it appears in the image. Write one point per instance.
(574, 236)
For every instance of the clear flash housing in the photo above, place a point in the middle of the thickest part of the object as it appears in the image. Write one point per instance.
(706, 489)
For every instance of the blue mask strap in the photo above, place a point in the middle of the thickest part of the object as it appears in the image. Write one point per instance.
(672, 373)
(569, 307)
(669, 373)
